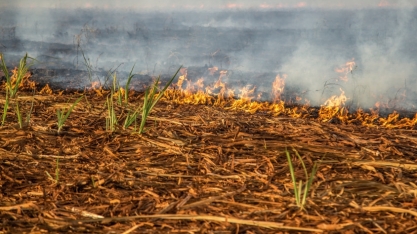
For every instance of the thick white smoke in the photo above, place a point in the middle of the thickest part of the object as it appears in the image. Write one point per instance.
(307, 40)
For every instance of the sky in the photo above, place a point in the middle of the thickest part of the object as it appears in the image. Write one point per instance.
(212, 4)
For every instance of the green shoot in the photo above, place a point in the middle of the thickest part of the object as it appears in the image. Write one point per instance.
(19, 115)
(4, 67)
(63, 116)
(151, 99)
(6, 74)
(11, 89)
(130, 118)
(117, 89)
(129, 79)
(5, 108)
(56, 180)
(111, 120)
(300, 190)
(21, 72)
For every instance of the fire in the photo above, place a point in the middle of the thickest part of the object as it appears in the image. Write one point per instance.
(25, 83)
(46, 90)
(97, 88)
(182, 77)
(333, 106)
(345, 70)
(278, 87)
(213, 70)
(220, 94)
(245, 101)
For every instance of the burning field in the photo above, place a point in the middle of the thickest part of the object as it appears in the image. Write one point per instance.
(207, 160)
(267, 128)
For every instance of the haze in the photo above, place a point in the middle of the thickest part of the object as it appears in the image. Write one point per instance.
(213, 4)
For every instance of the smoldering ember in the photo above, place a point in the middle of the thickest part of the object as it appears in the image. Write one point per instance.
(208, 116)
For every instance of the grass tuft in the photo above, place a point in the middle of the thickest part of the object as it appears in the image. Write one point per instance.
(300, 191)
(13, 83)
(111, 120)
(151, 98)
(63, 116)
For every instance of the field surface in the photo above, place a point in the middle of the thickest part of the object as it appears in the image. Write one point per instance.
(199, 169)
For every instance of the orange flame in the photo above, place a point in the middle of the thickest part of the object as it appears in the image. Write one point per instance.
(278, 87)
(219, 94)
(345, 70)
(334, 106)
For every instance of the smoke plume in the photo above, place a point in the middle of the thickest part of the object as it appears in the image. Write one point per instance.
(309, 41)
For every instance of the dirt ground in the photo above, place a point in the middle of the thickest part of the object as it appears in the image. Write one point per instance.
(200, 169)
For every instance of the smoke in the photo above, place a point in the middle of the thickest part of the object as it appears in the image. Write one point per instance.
(382, 45)
(206, 4)
(306, 40)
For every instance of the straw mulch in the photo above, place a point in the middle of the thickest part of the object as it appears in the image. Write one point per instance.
(200, 169)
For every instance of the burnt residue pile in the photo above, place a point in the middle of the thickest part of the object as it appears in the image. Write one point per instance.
(252, 45)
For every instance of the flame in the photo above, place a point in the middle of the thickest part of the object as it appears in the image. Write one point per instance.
(213, 70)
(46, 90)
(278, 87)
(98, 88)
(25, 83)
(182, 77)
(334, 106)
(245, 101)
(346, 69)
(220, 94)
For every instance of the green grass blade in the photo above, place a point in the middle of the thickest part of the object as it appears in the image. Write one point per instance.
(292, 173)
(63, 116)
(111, 121)
(19, 115)
(298, 198)
(21, 71)
(57, 170)
(161, 93)
(129, 79)
(144, 112)
(130, 118)
(302, 163)
(6, 107)
(151, 99)
(59, 116)
(4, 68)
(71, 108)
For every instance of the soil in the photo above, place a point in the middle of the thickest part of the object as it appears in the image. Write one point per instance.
(199, 169)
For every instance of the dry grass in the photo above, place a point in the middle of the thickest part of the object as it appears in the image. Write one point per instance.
(200, 169)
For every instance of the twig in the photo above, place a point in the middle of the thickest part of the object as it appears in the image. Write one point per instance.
(212, 199)
(264, 224)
